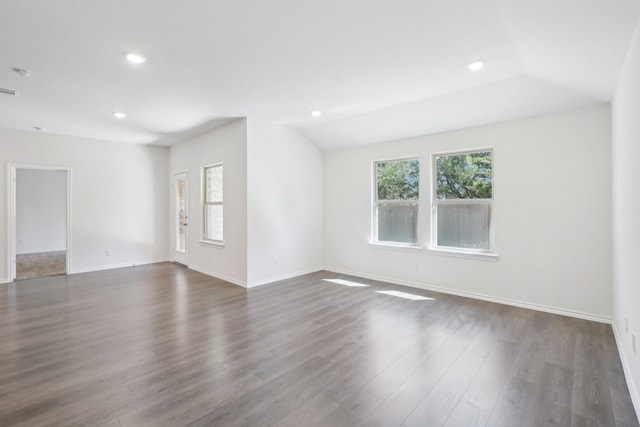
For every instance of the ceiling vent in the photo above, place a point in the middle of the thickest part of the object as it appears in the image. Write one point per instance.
(8, 91)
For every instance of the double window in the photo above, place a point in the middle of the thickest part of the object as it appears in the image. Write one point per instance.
(212, 198)
(461, 203)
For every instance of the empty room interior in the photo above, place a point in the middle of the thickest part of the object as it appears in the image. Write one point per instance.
(337, 213)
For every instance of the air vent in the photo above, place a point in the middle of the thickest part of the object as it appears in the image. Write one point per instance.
(8, 91)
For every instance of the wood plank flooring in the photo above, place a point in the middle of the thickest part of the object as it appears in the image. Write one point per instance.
(161, 345)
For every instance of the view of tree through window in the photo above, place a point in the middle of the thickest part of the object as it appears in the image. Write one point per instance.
(396, 209)
(464, 176)
(398, 180)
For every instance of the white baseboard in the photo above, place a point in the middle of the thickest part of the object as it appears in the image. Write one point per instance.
(252, 284)
(114, 266)
(633, 390)
(284, 277)
(217, 275)
(506, 301)
(5, 281)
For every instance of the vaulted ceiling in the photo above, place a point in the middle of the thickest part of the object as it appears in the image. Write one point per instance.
(376, 69)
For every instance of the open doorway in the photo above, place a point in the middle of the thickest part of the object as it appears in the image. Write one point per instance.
(39, 228)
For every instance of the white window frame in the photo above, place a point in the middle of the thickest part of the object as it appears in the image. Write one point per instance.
(376, 203)
(206, 203)
(457, 251)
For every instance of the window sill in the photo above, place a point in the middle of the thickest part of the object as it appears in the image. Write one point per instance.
(396, 245)
(484, 256)
(212, 243)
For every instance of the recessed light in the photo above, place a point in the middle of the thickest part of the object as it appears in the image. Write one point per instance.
(316, 113)
(39, 129)
(476, 65)
(119, 115)
(135, 58)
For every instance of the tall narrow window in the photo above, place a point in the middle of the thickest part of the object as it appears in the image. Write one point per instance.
(396, 201)
(463, 201)
(213, 203)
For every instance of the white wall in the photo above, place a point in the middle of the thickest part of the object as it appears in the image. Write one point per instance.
(119, 197)
(41, 211)
(552, 214)
(226, 144)
(626, 215)
(284, 176)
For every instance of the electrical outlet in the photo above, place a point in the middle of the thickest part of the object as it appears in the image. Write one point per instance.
(633, 343)
(626, 324)
(107, 252)
(275, 260)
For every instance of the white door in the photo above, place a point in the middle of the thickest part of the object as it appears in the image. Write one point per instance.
(180, 218)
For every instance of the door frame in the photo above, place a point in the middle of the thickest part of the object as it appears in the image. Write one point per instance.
(11, 214)
(174, 199)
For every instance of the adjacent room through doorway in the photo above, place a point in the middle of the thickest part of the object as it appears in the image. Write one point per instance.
(41, 223)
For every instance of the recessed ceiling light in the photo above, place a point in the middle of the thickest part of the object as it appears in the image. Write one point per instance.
(119, 115)
(316, 113)
(476, 65)
(39, 129)
(135, 58)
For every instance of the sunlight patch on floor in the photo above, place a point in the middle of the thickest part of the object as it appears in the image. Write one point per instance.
(346, 283)
(405, 295)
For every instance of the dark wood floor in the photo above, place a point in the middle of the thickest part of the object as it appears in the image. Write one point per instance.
(160, 345)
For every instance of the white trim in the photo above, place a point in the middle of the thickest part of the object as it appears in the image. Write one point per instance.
(218, 275)
(398, 159)
(257, 283)
(212, 243)
(463, 201)
(4, 281)
(482, 256)
(465, 150)
(11, 213)
(396, 245)
(11, 173)
(506, 301)
(633, 390)
(114, 266)
(398, 202)
(284, 277)
(69, 216)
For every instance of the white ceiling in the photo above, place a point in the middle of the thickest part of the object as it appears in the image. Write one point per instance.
(377, 69)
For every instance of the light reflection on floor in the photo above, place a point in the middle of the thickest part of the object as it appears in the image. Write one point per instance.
(406, 295)
(347, 283)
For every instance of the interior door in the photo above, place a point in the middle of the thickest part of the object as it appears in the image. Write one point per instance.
(180, 218)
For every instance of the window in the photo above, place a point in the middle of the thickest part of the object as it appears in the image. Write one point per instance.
(463, 201)
(212, 203)
(396, 201)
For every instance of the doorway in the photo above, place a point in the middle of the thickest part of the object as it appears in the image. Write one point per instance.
(180, 218)
(39, 221)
